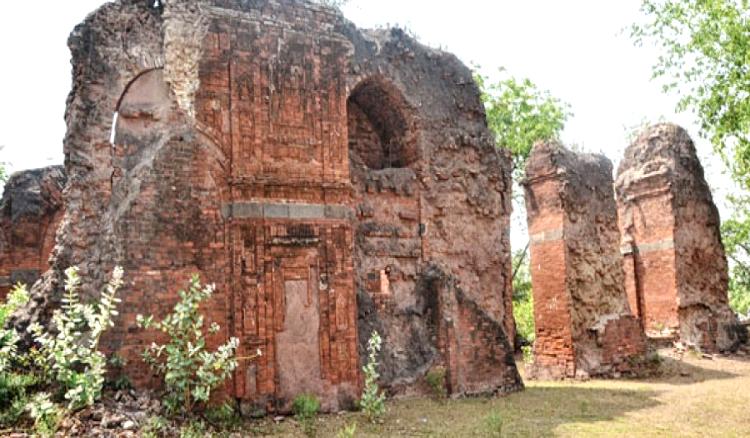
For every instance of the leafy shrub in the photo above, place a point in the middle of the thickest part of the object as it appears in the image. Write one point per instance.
(45, 414)
(305, 408)
(739, 289)
(735, 234)
(15, 388)
(436, 380)
(523, 312)
(8, 336)
(372, 402)
(155, 426)
(13, 385)
(76, 364)
(190, 371)
(225, 416)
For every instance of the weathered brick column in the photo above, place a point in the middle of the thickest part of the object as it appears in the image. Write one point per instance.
(671, 241)
(583, 322)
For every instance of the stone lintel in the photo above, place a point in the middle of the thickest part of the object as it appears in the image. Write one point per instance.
(280, 210)
(648, 247)
(546, 236)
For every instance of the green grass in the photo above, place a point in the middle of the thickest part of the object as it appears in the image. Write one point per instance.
(693, 398)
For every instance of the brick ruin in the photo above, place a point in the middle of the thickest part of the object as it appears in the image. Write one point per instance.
(329, 181)
(676, 269)
(332, 181)
(30, 212)
(584, 326)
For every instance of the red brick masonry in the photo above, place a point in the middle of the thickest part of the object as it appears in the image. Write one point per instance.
(676, 268)
(583, 322)
(329, 181)
(30, 213)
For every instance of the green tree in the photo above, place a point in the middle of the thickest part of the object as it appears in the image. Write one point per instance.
(520, 114)
(705, 59)
(735, 233)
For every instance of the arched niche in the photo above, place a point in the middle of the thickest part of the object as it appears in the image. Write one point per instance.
(144, 102)
(380, 131)
(384, 159)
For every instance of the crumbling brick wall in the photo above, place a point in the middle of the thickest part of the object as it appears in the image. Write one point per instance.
(287, 156)
(674, 258)
(30, 212)
(432, 194)
(583, 322)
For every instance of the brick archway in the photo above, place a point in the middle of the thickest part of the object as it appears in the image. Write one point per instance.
(381, 131)
(388, 256)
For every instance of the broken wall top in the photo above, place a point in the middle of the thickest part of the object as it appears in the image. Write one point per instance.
(583, 173)
(584, 186)
(663, 156)
(33, 194)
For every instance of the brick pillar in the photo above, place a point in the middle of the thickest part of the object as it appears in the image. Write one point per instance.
(666, 209)
(583, 321)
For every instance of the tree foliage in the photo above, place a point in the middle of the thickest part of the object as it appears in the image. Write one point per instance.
(705, 59)
(520, 114)
(736, 236)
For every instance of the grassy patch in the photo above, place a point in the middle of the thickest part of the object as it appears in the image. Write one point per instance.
(692, 398)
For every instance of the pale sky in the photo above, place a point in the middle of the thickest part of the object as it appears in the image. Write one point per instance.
(575, 49)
